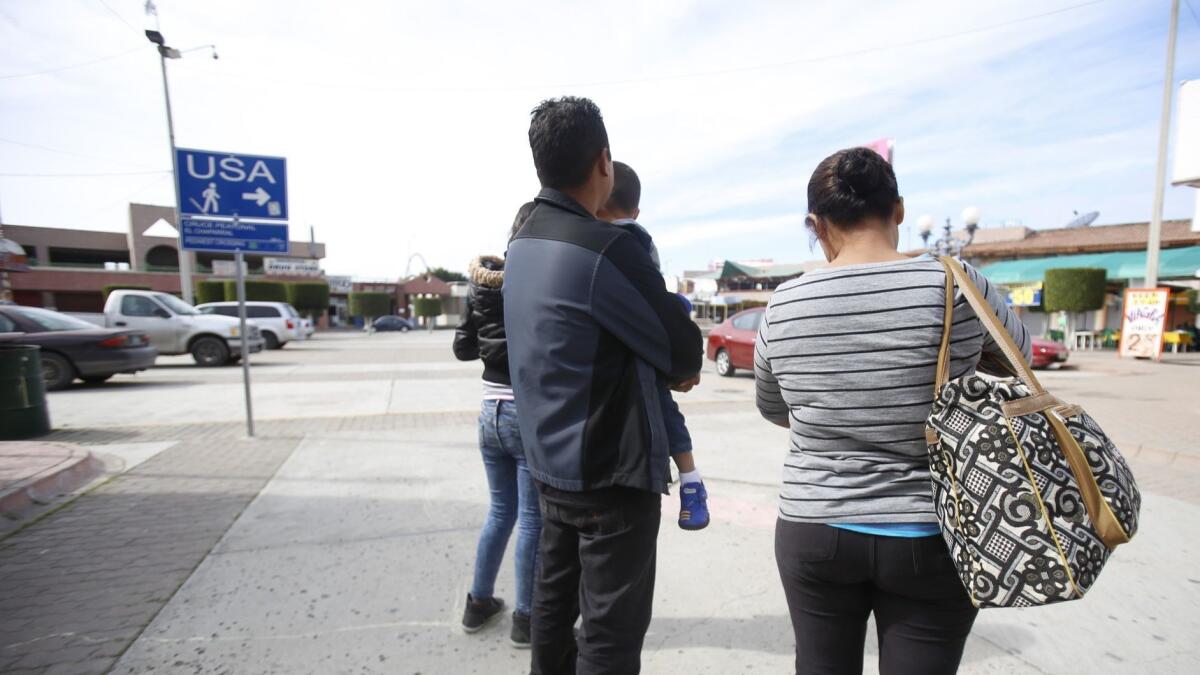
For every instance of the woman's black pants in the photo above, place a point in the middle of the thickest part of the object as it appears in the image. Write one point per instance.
(834, 579)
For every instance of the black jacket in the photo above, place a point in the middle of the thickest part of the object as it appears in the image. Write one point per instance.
(480, 334)
(590, 326)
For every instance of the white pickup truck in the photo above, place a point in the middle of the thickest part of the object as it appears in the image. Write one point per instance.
(175, 327)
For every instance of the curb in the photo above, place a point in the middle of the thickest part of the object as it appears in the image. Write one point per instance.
(67, 475)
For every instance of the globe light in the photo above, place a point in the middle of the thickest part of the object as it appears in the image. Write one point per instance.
(925, 224)
(971, 216)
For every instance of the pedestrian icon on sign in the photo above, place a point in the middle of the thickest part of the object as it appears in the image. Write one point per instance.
(210, 199)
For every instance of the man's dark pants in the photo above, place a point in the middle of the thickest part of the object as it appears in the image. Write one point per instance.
(597, 560)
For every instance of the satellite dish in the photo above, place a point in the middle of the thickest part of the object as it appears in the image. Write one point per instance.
(1084, 220)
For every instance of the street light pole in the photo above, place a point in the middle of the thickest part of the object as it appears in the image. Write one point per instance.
(185, 258)
(164, 53)
(1154, 240)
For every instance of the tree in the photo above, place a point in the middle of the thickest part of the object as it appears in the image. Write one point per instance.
(428, 307)
(1072, 290)
(446, 275)
(123, 287)
(309, 297)
(258, 291)
(210, 290)
(370, 305)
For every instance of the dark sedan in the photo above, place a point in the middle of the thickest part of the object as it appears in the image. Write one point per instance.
(73, 348)
(385, 323)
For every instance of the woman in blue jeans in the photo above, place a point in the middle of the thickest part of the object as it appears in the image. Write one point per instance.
(514, 499)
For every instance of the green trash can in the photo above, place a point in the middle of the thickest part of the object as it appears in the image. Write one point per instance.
(23, 412)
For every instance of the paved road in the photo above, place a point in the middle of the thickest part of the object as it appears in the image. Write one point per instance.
(342, 540)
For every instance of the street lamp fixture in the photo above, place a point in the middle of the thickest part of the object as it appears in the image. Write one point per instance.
(950, 244)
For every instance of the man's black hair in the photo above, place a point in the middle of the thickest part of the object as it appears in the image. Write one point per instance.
(566, 135)
(627, 189)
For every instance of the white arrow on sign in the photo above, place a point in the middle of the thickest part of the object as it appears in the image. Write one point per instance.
(260, 195)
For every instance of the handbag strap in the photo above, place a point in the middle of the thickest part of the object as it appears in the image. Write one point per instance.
(943, 360)
(955, 274)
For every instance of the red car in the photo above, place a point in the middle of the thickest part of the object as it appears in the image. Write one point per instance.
(731, 344)
(1048, 352)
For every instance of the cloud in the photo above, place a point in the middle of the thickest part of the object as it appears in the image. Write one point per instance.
(404, 123)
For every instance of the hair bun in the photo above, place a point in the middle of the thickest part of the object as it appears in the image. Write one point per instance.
(858, 173)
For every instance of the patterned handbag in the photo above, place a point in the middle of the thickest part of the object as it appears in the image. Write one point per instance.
(1031, 495)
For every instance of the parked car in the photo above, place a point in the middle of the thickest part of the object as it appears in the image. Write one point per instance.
(72, 348)
(1048, 352)
(175, 327)
(278, 321)
(386, 323)
(731, 343)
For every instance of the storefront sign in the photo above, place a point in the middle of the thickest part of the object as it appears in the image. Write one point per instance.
(292, 267)
(1025, 296)
(227, 268)
(1145, 319)
(340, 285)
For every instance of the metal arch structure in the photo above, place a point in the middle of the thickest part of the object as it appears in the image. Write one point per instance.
(408, 265)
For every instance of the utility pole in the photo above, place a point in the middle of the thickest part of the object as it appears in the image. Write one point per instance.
(1154, 243)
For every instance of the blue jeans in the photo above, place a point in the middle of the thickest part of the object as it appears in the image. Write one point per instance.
(514, 499)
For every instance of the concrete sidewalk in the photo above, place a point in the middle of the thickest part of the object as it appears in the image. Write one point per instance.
(342, 540)
(356, 557)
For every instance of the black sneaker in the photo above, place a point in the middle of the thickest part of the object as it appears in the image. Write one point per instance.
(480, 613)
(520, 631)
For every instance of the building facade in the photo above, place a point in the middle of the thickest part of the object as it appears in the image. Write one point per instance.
(69, 268)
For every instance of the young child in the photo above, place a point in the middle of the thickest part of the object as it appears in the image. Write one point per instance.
(622, 210)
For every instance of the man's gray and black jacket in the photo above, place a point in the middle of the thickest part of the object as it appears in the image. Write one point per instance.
(589, 322)
(480, 333)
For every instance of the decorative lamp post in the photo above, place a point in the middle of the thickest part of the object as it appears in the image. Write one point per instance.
(950, 244)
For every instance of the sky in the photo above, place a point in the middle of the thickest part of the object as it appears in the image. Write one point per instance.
(405, 123)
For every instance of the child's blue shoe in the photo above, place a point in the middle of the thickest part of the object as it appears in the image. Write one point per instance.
(693, 506)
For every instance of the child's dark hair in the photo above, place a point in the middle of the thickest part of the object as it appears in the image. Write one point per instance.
(523, 214)
(851, 185)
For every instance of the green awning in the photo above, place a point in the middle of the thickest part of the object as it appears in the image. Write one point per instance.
(1173, 263)
(730, 269)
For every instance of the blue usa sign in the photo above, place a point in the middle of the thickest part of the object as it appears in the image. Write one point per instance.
(225, 184)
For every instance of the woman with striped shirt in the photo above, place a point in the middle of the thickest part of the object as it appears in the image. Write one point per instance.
(845, 360)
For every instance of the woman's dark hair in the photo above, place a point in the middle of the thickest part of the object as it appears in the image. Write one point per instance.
(851, 185)
(523, 214)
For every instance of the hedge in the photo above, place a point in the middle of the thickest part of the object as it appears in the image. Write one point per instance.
(309, 297)
(427, 307)
(210, 290)
(123, 287)
(370, 304)
(1074, 290)
(258, 291)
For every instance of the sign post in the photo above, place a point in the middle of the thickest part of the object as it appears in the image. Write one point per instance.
(233, 202)
(239, 258)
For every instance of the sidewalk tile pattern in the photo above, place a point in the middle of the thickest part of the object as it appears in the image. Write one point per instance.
(78, 586)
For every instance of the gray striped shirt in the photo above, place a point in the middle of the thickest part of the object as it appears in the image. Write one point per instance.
(846, 357)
